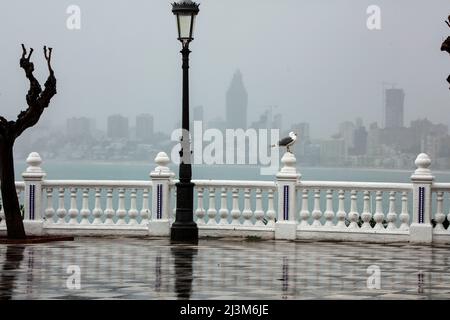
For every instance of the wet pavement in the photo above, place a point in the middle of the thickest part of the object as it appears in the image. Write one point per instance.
(131, 268)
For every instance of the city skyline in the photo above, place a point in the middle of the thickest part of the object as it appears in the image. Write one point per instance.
(336, 71)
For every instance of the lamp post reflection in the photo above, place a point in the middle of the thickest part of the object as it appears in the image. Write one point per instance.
(183, 260)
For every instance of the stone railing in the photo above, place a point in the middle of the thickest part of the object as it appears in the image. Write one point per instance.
(286, 208)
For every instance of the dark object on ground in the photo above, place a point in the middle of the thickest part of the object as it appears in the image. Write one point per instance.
(36, 239)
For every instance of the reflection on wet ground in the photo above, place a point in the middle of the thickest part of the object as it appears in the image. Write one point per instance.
(130, 268)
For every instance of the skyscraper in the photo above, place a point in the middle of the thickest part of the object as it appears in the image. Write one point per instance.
(144, 127)
(394, 108)
(117, 127)
(236, 103)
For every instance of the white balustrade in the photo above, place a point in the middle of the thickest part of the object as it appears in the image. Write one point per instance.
(353, 214)
(340, 215)
(212, 212)
(270, 214)
(97, 212)
(329, 213)
(259, 212)
(379, 215)
(247, 212)
(316, 213)
(223, 211)
(133, 212)
(73, 211)
(200, 211)
(304, 213)
(247, 205)
(85, 212)
(145, 211)
(404, 216)
(235, 211)
(109, 211)
(392, 215)
(366, 215)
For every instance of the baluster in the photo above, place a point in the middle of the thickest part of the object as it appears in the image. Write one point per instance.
(247, 212)
(200, 211)
(392, 215)
(235, 211)
(366, 215)
(259, 212)
(49, 211)
(329, 213)
(121, 212)
(316, 213)
(379, 215)
(61, 212)
(85, 212)
(340, 215)
(223, 211)
(212, 212)
(404, 216)
(439, 216)
(145, 212)
(133, 212)
(353, 215)
(97, 212)
(73, 211)
(270, 214)
(304, 213)
(109, 211)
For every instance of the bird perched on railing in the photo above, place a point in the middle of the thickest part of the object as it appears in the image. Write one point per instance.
(287, 141)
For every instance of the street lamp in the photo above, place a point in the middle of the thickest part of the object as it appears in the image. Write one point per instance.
(184, 229)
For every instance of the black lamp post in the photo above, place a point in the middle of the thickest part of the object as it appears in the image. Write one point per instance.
(184, 229)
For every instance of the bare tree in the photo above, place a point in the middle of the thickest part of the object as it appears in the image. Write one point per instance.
(37, 100)
(446, 44)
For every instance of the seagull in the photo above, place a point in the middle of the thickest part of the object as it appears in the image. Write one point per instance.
(287, 141)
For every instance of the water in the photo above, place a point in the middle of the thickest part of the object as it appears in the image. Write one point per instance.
(66, 170)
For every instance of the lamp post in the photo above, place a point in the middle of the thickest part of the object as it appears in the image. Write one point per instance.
(184, 229)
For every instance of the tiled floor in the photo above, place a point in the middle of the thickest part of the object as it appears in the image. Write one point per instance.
(130, 268)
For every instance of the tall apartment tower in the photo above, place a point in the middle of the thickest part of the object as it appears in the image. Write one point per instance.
(236, 103)
(394, 112)
(144, 127)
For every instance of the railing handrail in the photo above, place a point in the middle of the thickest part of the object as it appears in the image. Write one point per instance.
(97, 183)
(232, 183)
(356, 185)
(440, 187)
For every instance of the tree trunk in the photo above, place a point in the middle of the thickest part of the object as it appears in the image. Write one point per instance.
(13, 217)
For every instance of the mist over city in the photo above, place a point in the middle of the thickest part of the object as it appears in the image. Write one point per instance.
(356, 96)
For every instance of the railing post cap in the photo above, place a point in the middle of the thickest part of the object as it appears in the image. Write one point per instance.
(423, 171)
(162, 170)
(34, 170)
(288, 171)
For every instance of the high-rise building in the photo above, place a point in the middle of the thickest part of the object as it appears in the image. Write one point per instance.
(79, 127)
(144, 127)
(236, 103)
(394, 105)
(117, 127)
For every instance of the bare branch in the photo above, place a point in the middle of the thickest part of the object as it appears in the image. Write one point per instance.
(37, 99)
(48, 58)
(448, 22)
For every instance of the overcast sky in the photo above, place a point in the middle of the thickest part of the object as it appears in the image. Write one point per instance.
(315, 59)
